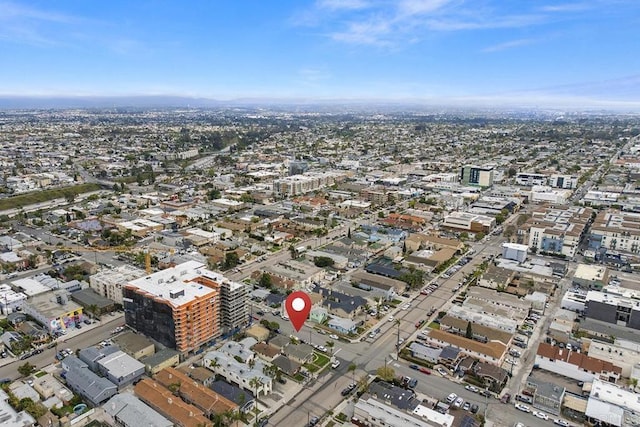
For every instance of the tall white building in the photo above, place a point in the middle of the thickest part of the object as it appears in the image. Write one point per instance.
(109, 283)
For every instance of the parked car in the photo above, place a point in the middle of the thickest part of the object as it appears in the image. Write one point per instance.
(506, 398)
(523, 408)
(466, 406)
(560, 422)
(471, 388)
(541, 415)
(452, 398)
(474, 408)
(458, 402)
(425, 371)
(334, 337)
(523, 398)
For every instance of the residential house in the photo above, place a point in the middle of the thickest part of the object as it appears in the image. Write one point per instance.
(167, 404)
(195, 393)
(127, 410)
(92, 387)
(300, 353)
(492, 352)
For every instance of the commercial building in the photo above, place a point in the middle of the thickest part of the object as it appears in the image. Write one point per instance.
(590, 276)
(514, 251)
(54, 310)
(476, 175)
(620, 308)
(546, 194)
(465, 221)
(179, 306)
(575, 365)
(611, 405)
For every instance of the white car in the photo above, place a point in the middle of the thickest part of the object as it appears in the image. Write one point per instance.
(521, 407)
(452, 397)
(458, 403)
(334, 337)
(335, 364)
(442, 372)
(560, 422)
(406, 306)
(471, 388)
(540, 415)
(512, 362)
(390, 319)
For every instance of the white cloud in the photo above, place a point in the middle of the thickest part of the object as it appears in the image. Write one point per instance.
(509, 45)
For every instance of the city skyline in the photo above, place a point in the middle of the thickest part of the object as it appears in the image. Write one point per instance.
(547, 54)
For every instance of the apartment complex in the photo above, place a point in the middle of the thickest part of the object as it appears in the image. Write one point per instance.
(109, 283)
(304, 183)
(179, 306)
(616, 230)
(557, 230)
(476, 175)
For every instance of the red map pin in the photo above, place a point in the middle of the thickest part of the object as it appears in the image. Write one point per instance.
(298, 305)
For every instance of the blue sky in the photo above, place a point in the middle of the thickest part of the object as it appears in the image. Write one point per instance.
(542, 52)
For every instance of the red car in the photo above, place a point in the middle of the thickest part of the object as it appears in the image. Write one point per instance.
(425, 371)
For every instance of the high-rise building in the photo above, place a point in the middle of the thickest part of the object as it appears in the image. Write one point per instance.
(476, 175)
(180, 307)
(235, 313)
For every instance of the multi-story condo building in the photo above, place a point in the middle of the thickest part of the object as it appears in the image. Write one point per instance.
(179, 307)
(304, 183)
(109, 283)
(557, 230)
(563, 181)
(616, 230)
(477, 175)
(529, 179)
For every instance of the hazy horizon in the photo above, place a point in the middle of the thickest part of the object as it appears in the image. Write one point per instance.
(570, 54)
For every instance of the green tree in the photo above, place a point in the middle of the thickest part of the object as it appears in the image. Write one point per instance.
(265, 280)
(386, 373)
(26, 369)
(323, 261)
(230, 260)
(469, 332)
(479, 236)
(213, 194)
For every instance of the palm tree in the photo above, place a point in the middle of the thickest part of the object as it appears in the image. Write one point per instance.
(330, 344)
(352, 368)
(256, 382)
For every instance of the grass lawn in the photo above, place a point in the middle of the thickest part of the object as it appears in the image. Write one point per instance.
(44, 195)
(40, 374)
(434, 325)
(319, 361)
(299, 377)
